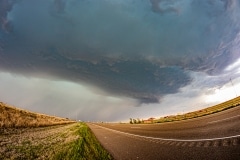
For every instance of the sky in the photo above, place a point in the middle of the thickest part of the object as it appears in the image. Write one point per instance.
(111, 60)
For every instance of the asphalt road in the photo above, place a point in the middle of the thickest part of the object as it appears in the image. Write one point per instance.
(215, 136)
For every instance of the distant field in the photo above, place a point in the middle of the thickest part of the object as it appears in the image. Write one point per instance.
(12, 117)
(207, 111)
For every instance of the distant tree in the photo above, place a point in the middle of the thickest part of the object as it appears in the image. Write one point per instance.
(131, 121)
(138, 120)
(134, 121)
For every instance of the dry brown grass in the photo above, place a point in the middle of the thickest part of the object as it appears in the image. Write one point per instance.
(36, 143)
(207, 111)
(12, 117)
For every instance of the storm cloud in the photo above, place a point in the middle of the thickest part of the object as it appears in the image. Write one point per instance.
(143, 49)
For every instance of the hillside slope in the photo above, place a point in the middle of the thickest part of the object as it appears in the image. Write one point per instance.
(203, 112)
(14, 117)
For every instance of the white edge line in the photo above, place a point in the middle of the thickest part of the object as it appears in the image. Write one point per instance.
(223, 119)
(165, 139)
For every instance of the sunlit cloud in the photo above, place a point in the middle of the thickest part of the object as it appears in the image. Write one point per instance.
(235, 66)
(223, 94)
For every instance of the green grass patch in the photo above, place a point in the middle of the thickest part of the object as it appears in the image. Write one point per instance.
(86, 147)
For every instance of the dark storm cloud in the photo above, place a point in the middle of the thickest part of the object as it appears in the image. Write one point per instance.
(137, 79)
(59, 5)
(157, 7)
(5, 7)
(133, 48)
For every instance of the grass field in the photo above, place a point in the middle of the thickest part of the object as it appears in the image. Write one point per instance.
(28, 135)
(86, 147)
(207, 111)
(13, 117)
(73, 141)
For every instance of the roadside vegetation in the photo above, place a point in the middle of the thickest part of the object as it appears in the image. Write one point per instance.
(207, 111)
(86, 147)
(12, 117)
(204, 112)
(67, 142)
(28, 135)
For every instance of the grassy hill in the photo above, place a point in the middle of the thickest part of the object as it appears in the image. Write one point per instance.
(14, 117)
(207, 111)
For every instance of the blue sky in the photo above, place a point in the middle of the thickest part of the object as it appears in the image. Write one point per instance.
(111, 60)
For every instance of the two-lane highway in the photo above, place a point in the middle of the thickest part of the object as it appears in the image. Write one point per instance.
(215, 136)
